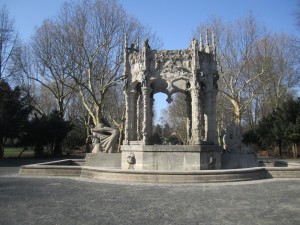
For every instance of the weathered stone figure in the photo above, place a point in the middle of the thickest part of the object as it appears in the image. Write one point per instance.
(105, 139)
(233, 139)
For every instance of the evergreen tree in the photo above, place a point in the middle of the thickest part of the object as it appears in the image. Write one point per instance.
(14, 111)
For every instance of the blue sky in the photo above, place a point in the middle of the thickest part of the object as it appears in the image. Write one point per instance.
(172, 20)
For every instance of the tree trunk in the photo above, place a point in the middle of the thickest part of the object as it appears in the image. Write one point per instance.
(236, 111)
(279, 148)
(57, 151)
(295, 150)
(1, 147)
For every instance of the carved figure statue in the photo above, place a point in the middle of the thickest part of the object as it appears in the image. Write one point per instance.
(144, 81)
(105, 139)
(125, 85)
(212, 162)
(233, 139)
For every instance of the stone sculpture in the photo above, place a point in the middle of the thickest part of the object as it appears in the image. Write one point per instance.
(105, 139)
(150, 71)
(193, 72)
(212, 162)
(233, 139)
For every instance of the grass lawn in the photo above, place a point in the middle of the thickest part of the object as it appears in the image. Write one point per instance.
(11, 152)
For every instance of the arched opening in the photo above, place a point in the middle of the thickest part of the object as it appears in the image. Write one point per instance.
(173, 124)
(160, 104)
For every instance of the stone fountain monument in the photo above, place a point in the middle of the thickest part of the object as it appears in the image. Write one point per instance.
(193, 72)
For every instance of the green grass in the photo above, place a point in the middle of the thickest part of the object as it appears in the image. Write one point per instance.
(11, 152)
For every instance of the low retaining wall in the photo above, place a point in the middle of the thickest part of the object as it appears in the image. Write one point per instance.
(151, 176)
(157, 176)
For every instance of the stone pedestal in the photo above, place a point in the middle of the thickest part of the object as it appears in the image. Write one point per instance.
(103, 160)
(97, 148)
(238, 160)
(171, 157)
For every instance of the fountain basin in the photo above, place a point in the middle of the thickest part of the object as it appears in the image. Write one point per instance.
(76, 168)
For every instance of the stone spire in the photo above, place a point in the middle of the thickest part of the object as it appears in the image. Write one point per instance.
(206, 39)
(125, 53)
(213, 43)
(137, 43)
(201, 43)
(125, 41)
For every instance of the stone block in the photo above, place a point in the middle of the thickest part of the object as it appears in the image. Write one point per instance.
(171, 157)
(235, 161)
(102, 159)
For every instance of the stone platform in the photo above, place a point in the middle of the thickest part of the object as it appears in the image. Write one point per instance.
(171, 157)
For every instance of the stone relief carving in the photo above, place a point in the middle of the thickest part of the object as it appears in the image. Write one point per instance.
(233, 139)
(170, 64)
(169, 71)
(212, 162)
(104, 139)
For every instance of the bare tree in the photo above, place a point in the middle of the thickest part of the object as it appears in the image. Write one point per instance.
(8, 43)
(175, 115)
(234, 57)
(96, 31)
(254, 64)
(276, 54)
(46, 63)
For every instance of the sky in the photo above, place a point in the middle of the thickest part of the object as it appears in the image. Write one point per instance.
(173, 20)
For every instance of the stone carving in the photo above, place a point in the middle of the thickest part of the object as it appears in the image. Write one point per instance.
(105, 139)
(212, 162)
(169, 71)
(131, 158)
(233, 139)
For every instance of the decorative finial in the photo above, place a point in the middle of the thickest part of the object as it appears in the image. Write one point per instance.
(201, 43)
(137, 43)
(125, 41)
(206, 42)
(213, 43)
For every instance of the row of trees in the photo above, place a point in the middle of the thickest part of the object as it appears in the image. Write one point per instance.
(258, 71)
(73, 65)
(280, 129)
(44, 134)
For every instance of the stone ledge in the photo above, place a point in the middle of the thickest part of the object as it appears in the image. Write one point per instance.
(170, 148)
(160, 176)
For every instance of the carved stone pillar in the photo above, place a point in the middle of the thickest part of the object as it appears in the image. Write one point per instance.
(138, 116)
(214, 117)
(132, 116)
(126, 128)
(209, 123)
(195, 115)
(146, 118)
(188, 116)
(150, 118)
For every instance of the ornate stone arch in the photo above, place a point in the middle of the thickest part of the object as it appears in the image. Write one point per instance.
(192, 71)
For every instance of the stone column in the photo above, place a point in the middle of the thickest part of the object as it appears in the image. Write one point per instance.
(150, 118)
(146, 118)
(195, 115)
(209, 123)
(138, 116)
(214, 117)
(126, 126)
(188, 116)
(131, 116)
